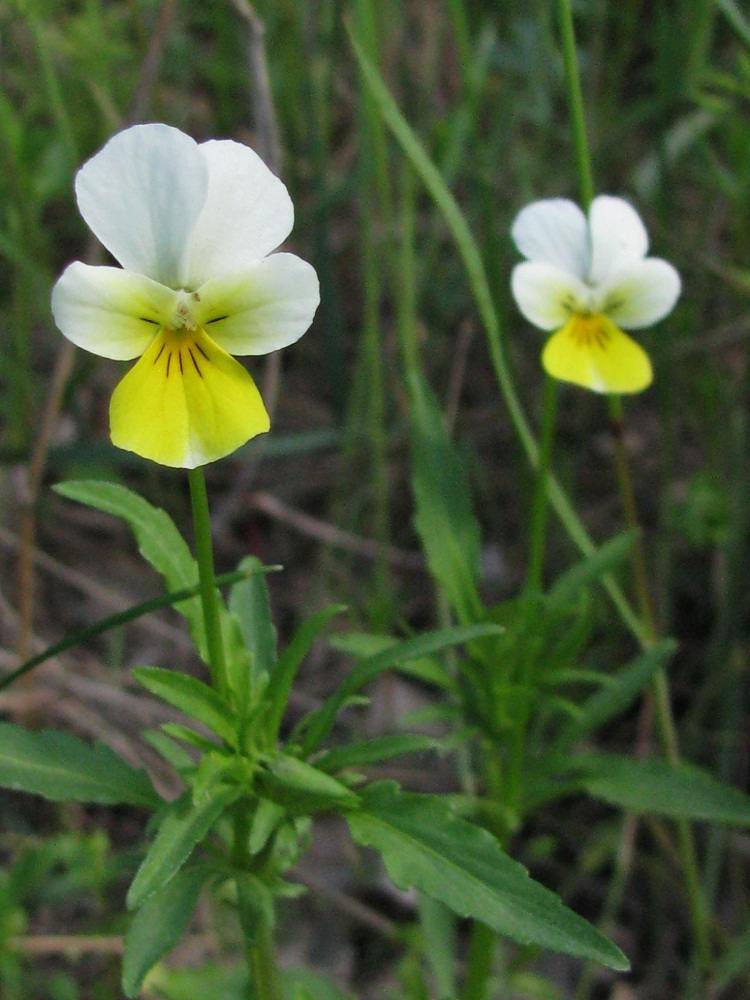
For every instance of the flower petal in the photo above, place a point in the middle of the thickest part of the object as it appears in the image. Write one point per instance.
(554, 231)
(141, 196)
(591, 352)
(640, 294)
(108, 311)
(547, 295)
(618, 236)
(248, 213)
(185, 403)
(266, 307)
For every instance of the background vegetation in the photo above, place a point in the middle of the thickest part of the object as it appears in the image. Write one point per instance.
(667, 95)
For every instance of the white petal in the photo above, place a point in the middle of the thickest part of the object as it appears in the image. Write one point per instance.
(618, 237)
(554, 231)
(248, 213)
(268, 306)
(110, 312)
(640, 294)
(142, 195)
(546, 295)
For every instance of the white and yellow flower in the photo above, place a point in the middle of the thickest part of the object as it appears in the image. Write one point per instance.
(588, 280)
(193, 227)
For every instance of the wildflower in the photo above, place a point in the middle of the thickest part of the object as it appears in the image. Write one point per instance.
(588, 279)
(193, 227)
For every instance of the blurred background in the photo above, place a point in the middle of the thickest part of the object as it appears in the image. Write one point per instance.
(326, 493)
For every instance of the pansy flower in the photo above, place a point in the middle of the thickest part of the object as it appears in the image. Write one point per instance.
(588, 280)
(193, 227)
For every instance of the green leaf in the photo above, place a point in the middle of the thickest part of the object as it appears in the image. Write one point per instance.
(249, 602)
(425, 845)
(183, 827)
(158, 540)
(171, 751)
(438, 923)
(179, 732)
(591, 570)
(373, 751)
(319, 723)
(302, 788)
(299, 984)
(445, 519)
(158, 925)
(287, 665)
(616, 696)
(192, 697)
(655, 786)
(62, 768)
(227, 982)
(363, 644)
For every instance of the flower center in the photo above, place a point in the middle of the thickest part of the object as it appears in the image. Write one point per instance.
(182, 322)
(588, 330)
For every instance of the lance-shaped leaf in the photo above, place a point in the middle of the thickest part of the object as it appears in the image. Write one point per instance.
(617, 694)
(606, 559)
(656, 786)
(183, 827)
(445, 519)
(62, 767)
(302, 788)
(249, 602)
(157, 536)
(318, 724)
(375, 750)
(287, 665)
(425, 845)
(192, 697)
(158, 925)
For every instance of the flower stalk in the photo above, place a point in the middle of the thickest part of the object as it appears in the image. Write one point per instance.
(209, 597)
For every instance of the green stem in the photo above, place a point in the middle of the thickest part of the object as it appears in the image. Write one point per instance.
(209, 598)
(479, 961)
(260, 954)
(264, 973)
(665, 720)
(540, 506)
(575, 102)
(660, 690)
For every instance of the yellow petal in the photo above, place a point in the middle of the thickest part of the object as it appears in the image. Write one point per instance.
(592, 352)
(186, 402)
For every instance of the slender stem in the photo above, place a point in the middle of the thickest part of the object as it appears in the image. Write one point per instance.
(266, 983)
(575, 102)
(209, 599)
(479, 961)
(660, 691)
(540, 506)
(627, 496)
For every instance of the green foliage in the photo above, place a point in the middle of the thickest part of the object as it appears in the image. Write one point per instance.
(250, 604)
(159, 541)
(425, 845)
(316, 725)
(373, 751)
(302, 788)
(444, 518)
(159, 924)
(193, 697)
(617, 694)
(655, 786)
(64, 768)
(182, 826)
(286, 667)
